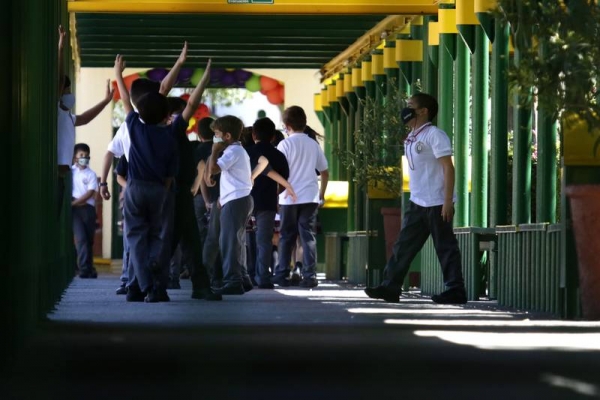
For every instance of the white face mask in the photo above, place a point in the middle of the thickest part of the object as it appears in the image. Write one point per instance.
(68, 100)
(83, 161)
(217, 139)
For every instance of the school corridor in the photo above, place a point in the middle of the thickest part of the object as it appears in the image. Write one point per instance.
(329, 342)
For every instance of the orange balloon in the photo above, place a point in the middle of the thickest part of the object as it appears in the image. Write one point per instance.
(129, 80)
(282, 93)
(267, 83)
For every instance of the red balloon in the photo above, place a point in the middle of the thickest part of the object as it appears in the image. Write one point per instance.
(282, 92)
(116, 94)
(201, 112)
(128, 81)
(274, 97)
(267, 83)
(185, 96)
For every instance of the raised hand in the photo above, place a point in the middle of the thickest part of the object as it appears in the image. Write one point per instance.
(61, 37)
(183, 55)
(110, 91)
(119, 64)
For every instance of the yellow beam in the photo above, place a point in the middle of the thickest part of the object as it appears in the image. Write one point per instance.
(342, 7)
(364, 44)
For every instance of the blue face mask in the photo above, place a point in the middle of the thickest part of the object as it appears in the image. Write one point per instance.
(83, 161)
(68, 100)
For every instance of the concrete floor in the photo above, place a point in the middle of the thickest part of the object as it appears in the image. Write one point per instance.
(329, 342)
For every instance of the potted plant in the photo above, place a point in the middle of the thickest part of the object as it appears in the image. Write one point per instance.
(560, 46)
(375, 164)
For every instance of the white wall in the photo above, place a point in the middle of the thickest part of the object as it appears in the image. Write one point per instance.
(300, 86)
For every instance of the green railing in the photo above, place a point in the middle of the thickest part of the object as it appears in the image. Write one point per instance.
(529, 267)
(474, 244)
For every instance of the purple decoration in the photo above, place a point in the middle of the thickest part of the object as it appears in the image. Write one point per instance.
(157, 74)
(216, 74)
(184, 75)
(241, 75)
(228, 79)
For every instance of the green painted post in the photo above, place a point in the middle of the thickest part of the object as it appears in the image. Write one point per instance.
(546, 165)
(461, 138)
(479, 176)
(334, 105)
(360, 192)
(416, 32)
(446, 86)
(499, 151)
(351, 127)
(521, 211)
(430, 60)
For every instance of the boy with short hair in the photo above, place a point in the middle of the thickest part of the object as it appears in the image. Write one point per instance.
(85, 187)
(235, 199)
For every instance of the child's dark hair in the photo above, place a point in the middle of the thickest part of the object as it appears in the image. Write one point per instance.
(204, 130)
(176, 105)
(312, 133)
(140, 87)
(264, 129)
(229, 124)
(427, 101)
(81, 147)
(153, 108)
(295, 118)
(246, 137)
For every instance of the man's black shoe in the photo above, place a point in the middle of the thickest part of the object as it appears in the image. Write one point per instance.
(451, 296)
(384, 293)
(295, 279)
(135, 294)
(153, 296)
(283, 282)
(206, 294)
(247, 284)
(163, 295)
(309, 283)
(122, 289)
(231, 290)
(266, 286)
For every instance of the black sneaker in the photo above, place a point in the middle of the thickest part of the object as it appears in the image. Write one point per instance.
(206, 294)
(135, 294)
(268, 285)
(122, 289)
(153, 296)
(384, 293)
(295, 279)
(247, 284)
(309, 283)
(283, 282)
(451, 296)
(231, 290)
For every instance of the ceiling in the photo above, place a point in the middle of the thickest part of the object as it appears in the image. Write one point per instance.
(231, 40)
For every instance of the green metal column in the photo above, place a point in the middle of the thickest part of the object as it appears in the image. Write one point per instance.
(479, 176)
(353, 106)
(334, 105)
(461, 138)
(430, 57)
(343, 124)
(521, 189)
(447, 54)
(327, 127)
(416, 33)
(546, 163)
(499, 151)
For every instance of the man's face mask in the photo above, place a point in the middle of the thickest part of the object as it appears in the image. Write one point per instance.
(68, 100)
(83, 161)
(407, 114)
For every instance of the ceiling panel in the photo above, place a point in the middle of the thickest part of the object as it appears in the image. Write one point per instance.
(231, 40)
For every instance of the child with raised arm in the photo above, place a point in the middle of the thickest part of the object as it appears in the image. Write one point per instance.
(152, 168)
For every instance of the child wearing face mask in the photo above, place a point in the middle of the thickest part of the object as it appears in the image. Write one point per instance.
(83, 203)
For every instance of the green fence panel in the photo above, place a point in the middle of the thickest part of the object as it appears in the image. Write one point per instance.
(357, 257)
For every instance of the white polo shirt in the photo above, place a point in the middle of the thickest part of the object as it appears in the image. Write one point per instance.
(304, 155)
(65, 136)
(423, 147)
(236, 176)
(83, 180)
(121, 142)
